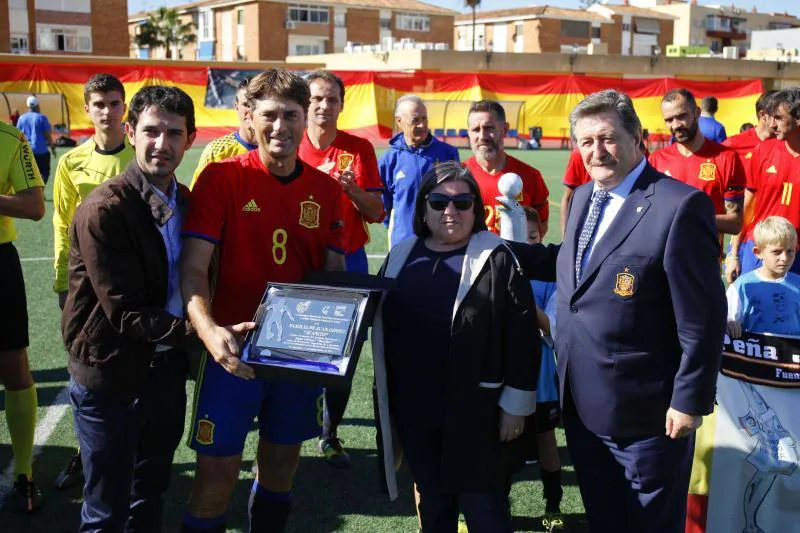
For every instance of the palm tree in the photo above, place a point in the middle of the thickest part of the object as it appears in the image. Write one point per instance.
(473, 4)
(165, 29)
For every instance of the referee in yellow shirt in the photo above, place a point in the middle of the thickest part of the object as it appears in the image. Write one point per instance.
(79, 171)
(21, 196)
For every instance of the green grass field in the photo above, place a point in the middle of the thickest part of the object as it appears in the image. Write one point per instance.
(325, 499)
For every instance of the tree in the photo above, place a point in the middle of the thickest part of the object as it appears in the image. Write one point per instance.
(165, 29)
(473, 4)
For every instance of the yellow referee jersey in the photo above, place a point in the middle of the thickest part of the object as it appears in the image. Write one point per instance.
(224, 147)
(18, 172)
(78, 172)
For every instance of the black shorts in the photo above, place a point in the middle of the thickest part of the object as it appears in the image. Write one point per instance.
(43, 162)
(548, 415)
(14, 307)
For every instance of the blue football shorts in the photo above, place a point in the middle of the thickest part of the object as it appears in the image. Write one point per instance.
(226, 405)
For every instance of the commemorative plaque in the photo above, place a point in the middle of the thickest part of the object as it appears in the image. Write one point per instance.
(312, 332)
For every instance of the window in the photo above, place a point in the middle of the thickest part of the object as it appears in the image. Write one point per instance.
(626, 27)
(648, 26)
(205, 26)
(412, 22)
(64, 38)
(780, 26)
(307, 49)
(595, 32)
(340, 20)
(75, 6)
(240, 17)
(19, 44)
(386, 23)
(575, 28)
(308, 13)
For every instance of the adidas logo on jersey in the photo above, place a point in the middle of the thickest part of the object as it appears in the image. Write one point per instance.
(251, 207)
(772, 170)
(400, 175)
(668, 173)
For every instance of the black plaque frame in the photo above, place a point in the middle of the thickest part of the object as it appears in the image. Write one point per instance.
(366, 289)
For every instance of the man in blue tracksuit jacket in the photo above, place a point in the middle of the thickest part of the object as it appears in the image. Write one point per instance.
(412, 152)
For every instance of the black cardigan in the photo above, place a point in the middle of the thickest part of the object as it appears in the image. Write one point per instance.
(495, 355)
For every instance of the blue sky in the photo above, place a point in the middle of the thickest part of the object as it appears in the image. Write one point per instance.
(458, 5)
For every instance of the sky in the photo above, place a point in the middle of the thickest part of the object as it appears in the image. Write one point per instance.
(458, 5)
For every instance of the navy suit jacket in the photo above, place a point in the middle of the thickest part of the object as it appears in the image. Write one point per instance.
(643, 329)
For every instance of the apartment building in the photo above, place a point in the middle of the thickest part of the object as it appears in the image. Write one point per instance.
(262, 30)
(718, 26)
(606, 29)
(63, 27)
(533, 29)
(635, 31)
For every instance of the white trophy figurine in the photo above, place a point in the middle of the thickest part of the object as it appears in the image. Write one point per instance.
(513, 224)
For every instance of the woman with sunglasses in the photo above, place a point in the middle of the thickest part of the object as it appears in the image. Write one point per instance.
(452, 346)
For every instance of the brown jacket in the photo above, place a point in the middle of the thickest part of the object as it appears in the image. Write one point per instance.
(114, 315)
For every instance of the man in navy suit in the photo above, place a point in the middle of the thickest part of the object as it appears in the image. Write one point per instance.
(641, 311)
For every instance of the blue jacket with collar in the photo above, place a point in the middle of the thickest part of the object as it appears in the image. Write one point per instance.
(402, 168)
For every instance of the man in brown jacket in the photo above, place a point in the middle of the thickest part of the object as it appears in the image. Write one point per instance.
(123, 321)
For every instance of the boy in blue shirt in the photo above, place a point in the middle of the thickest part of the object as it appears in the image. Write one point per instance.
(548, 412)
(767, 300)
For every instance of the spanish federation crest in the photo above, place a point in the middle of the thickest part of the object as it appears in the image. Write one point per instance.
(625, 283)
(309, 213)
(708, 171)
(205, 432)
(344, 161)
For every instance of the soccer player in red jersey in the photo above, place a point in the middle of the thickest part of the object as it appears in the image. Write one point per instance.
(350, 160)
(700, 162)
(487, 127)
(744, 143)
(774, 180)
(274, 218)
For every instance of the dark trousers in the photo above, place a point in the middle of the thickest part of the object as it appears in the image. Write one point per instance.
(43, 163)
(127, 448)
(630, 485)
(336, 398)
(485, 512)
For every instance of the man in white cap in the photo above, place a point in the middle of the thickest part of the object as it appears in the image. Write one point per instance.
(36, 128)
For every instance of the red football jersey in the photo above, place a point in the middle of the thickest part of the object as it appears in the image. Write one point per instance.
(347, 150)
(775, 181)
(266, 229)
(534, 190)
(576, 174)
(714, 169)
(744, 144)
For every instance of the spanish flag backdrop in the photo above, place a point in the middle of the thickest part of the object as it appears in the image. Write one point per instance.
(530, 99)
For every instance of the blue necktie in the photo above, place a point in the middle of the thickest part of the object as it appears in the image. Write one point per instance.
(599, 199)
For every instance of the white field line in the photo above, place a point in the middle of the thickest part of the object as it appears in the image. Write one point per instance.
(44, 430)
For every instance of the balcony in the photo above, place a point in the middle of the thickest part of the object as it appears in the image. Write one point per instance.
(726, 27)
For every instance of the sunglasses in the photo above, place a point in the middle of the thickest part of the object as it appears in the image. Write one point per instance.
(462, 202)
